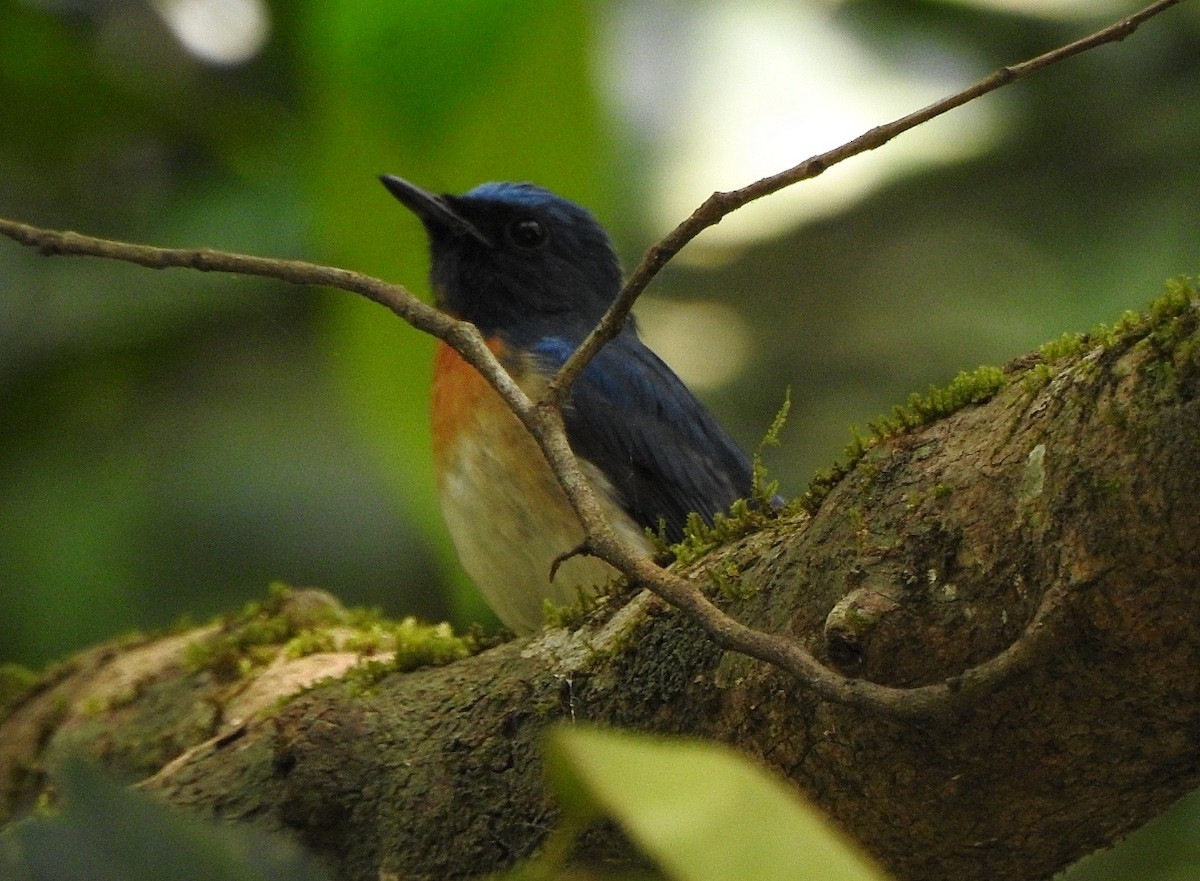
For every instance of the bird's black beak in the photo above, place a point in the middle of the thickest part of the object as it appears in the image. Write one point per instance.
(434, 210)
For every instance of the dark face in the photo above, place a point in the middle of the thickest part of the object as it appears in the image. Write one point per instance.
(507, 256)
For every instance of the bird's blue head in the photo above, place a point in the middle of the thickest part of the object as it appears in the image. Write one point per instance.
(509, 256)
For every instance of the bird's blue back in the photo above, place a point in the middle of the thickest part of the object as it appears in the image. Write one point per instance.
(632, 417)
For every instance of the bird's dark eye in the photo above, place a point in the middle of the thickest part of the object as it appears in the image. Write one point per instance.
(526, 232)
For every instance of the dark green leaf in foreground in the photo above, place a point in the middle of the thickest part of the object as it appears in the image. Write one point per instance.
(107, 833)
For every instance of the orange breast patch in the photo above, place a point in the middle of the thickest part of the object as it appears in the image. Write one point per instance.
(461, 397)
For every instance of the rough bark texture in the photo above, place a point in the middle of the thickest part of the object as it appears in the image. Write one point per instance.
(929, 557)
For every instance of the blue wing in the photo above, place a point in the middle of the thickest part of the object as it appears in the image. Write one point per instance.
(634, 419)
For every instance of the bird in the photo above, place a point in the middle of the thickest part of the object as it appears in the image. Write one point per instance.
(535, 272)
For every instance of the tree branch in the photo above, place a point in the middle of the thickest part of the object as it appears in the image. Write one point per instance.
(544, 421)
(1081, 473)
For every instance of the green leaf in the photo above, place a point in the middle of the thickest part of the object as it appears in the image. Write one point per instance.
(700, 810)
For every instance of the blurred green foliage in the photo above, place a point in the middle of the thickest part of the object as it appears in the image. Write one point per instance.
(172, 442)
(101, 831)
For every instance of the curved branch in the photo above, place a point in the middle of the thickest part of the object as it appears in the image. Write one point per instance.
(544, 422)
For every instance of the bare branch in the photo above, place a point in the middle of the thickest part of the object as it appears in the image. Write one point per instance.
(463, 337)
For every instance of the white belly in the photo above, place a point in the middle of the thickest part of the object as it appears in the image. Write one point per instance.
(510, 520)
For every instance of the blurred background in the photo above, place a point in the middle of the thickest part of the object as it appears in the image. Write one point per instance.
(171, 442)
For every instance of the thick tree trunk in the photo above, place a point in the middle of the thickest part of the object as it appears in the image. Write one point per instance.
(930, 556)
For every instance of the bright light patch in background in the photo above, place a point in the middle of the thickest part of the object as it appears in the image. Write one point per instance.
(705, 341)
(724, 93)
(224, 32)
(1059, 9)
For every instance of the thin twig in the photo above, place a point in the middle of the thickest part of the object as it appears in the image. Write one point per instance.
(544, 419)
(460, 335)
(719, 204)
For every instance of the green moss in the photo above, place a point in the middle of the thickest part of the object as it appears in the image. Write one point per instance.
(968, 387)
(744, 516)
(416, 645)
(917, 498)
(299, 623)
(370, 639)
(1170, 326)
(1173, 305)
(114, 700)
(1176, 327)
(568, 616)
(1066, 346)
(309, 642)
(1169, 322)
(1187, 352)
(1036, 377)
(728, 580)
(249, 640)
(763, 489)
(256, 635)
(700, 537)
(1163, 379)
(362, 678)
(92, 707)
(45, 806)
(428, 645)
